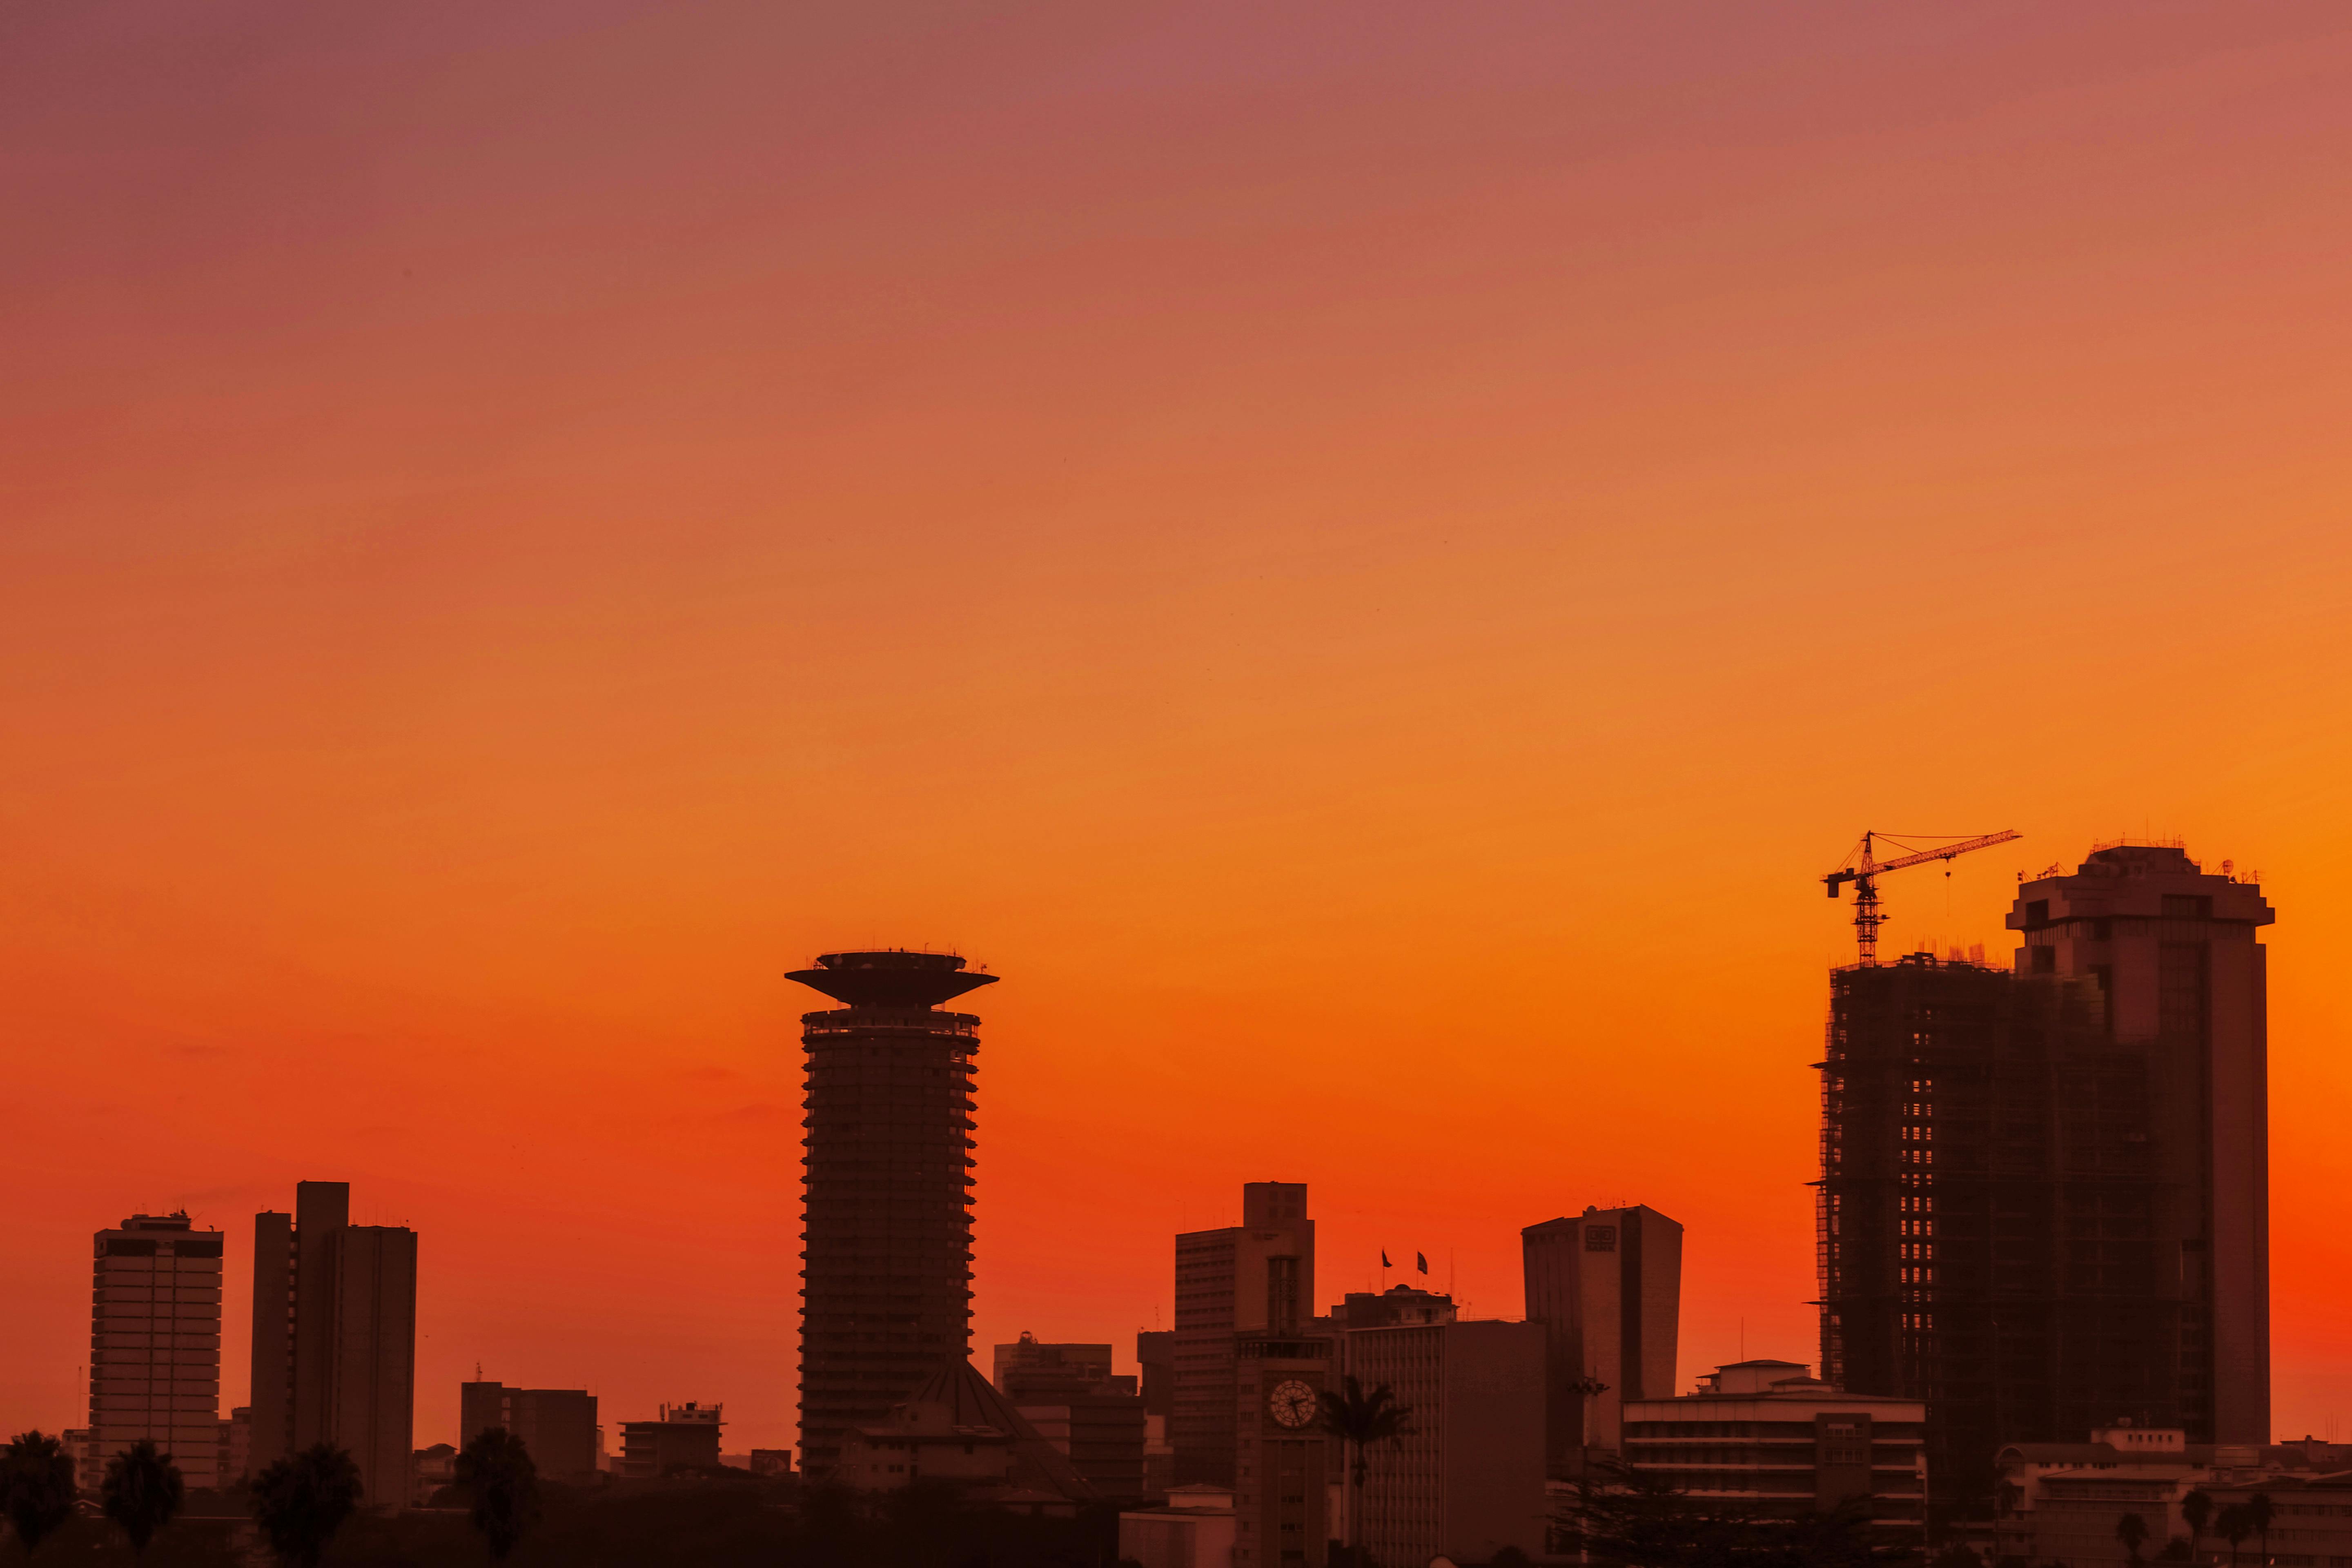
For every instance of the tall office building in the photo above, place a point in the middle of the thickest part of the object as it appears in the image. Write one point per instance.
(154, 1345)
(335, 1338)
(1255, 1278)
(887, 1265)
(2184, 983)
(1607, 1286)
(2042, 1206)
(557, 1426)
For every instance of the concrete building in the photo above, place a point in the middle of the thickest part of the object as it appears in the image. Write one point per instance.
(2062, 1501)
(773, 1463)
(1233, 1281)
(1468, 1480)
(557, 1426)
(236, 1445)
(430, 1469)
(1607, 1286)
(2042, 1204)
(1155, 1361)
(1767, 1437)
(958, 1428)
(685, 1437)
(154, 1346)
(90, 1473)
(1069, 1395)
(2183, 983)
(887, 1272)
(1195, 1528)
(1284, 1460)
(1029, 1367)
(335, 1338)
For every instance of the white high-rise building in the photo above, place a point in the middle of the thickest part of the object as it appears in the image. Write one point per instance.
(154, 1345)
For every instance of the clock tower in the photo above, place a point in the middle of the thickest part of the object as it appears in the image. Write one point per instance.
(1283, 1454)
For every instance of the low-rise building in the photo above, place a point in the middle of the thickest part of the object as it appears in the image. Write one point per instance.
(557, 1426)
(958, 1429)
(685, 1438)
(2310, 1519)
(1767, 1438)
(435, 1468)
(772, 1463)
(1193, 1529)
(2066, 1501)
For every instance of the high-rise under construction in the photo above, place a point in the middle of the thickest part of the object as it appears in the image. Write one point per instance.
(2042, 1202)
(887, 1265)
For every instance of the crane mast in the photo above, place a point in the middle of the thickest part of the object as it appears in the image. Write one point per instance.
(1863, 868)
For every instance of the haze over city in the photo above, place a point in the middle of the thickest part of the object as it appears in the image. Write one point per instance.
(1365, 562)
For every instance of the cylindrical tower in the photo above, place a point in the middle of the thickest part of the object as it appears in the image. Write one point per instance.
(886, 1287)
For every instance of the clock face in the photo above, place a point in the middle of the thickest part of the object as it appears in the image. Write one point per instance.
(1292, 1402)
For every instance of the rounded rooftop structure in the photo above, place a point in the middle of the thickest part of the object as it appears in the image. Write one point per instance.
(891, 978)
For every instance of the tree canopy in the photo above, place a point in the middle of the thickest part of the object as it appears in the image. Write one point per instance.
(36, 1485)
(142, 1491)
(301, 1501)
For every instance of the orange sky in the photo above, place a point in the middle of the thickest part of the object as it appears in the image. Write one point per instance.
(1364, 557)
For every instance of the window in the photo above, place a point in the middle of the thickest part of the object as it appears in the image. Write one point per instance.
(2037, 912)
(2187, 907)
(2045, 960)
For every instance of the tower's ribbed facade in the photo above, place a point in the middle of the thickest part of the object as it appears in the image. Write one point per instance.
(886, 1290)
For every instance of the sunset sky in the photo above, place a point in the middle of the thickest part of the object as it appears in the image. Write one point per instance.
(1365, 558)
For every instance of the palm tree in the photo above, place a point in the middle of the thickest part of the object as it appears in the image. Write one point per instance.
(142, 1492)
(1360, 1420)
(2258, 1514)
(301, 1501)
(2132, 1531)
(2197, 1512)
(36, 1485)
(2235, 1524)
(498, 1469)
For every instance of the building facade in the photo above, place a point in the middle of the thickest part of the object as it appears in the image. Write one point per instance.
(1607, 1286)
(1766, 1438)
(1283, 1458)
(959, 1430)
(557, 1426)
(2066, 1503)
(2183, 984)
(1029, 1367)
(684, 1437)
(886, 1259)
(1234, 1280)
(154, 1346)
(335, 1338)
(1467, 1481)
(1155, 1364)
(1193, 1529)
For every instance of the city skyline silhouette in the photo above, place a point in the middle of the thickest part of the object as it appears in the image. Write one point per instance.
(1367, 566)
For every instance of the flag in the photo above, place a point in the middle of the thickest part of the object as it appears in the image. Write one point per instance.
(1420, 1261)
(1384, 1261)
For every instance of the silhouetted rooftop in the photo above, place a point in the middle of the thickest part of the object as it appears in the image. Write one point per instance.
(890, 979)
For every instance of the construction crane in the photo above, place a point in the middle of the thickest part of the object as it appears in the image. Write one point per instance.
(1863, 868)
